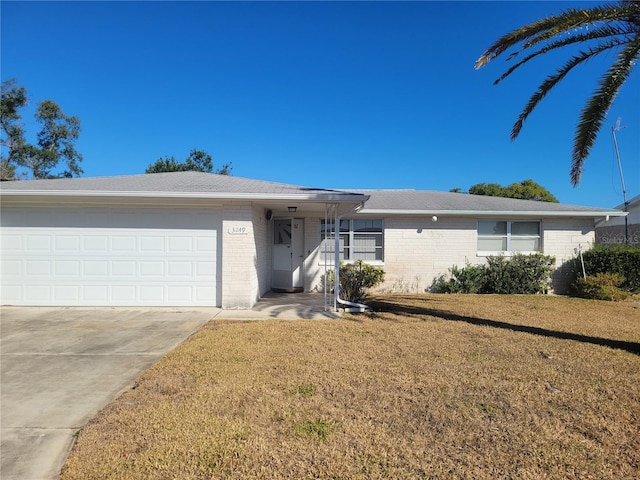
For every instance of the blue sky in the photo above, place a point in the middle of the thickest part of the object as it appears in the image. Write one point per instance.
(325, 94)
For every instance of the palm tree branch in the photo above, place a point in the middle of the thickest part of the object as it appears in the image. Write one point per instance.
(598, 105)
(602, 32)
(551, 81)
(549, 27)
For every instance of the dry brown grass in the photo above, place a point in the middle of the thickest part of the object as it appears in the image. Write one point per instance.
(525, 387)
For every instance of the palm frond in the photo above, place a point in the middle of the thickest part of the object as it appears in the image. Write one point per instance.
(600, 33)
(596, 109)
(549, 27)
(551, 81)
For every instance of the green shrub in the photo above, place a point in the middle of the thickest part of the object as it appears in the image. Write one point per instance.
(621, 259)
(355, 279)
(462, 280)
(520, 273)
(523, 274)
(601, 286)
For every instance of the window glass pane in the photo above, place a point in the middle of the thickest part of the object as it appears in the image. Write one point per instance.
(492, 228)
(525, 244)
(489, 244)
(369, 256)
(364, 243)
(328, 226)
(327, 249)
(367, 238)
(282, 232)
(367, 225)
(525, 228)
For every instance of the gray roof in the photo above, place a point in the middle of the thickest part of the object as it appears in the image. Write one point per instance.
(193, 183)
(209, 185)
(427, 202)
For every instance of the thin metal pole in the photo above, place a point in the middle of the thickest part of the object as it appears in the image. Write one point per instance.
(624, 189)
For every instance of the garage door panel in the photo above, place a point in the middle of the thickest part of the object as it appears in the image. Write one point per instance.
(72, 264)
(95, 243)
(38, 243)
(100, 268)
(64, 268)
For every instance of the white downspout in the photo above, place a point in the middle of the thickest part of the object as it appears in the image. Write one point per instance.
(337, 299)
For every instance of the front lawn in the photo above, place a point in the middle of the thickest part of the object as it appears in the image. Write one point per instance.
(431, 386)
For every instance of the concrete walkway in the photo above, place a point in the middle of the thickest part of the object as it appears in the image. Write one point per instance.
(61, 366)
(287, 306)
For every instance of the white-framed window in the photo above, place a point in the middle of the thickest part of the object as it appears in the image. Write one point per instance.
(360, 239)
(508, 236)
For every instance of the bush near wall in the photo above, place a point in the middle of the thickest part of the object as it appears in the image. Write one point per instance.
(623, 260)
(519, 274)
(356, 279)
(601, 286)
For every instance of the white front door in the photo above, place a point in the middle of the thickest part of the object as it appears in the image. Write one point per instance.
(288, 254)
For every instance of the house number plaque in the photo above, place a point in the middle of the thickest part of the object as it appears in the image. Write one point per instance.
(238, 230)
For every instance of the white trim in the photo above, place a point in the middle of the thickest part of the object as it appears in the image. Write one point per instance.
(485, 213)
(214, 195)
(500, 253)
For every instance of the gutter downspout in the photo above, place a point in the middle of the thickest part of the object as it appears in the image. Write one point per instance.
(348, 306)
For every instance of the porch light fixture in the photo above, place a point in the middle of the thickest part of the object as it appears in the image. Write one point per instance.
(292, 209)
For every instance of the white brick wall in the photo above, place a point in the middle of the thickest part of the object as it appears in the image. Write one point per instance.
(560, 239)
(417, 250)
(262, 241)
(313, 269)
(240, 284)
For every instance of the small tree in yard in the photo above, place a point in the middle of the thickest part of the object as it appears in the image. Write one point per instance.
(356, 278)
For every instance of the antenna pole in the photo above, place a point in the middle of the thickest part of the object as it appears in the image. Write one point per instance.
(624, 189)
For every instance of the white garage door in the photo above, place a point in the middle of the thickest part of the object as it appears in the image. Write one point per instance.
(109, 256)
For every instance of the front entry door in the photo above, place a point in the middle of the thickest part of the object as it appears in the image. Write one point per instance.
(288, 254)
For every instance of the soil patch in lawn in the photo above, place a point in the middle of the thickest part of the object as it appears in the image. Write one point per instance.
(431, 386)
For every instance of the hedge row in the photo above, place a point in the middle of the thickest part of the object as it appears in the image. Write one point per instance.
(623, 260)
(518, 274)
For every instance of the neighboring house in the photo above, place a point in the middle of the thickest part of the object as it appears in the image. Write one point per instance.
(199, 239)
(621, 230)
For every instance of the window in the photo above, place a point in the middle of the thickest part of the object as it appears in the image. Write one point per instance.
(359, 240)
(508, 236)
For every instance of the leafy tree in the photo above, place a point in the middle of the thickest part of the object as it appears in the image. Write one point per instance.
(600, 29)
(525, 190)
(12, 100)
(56, 138)
(197, 161)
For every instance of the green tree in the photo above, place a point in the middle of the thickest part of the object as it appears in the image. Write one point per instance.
(197, 161)
(525, 190)
(600, 29)
(56, 138)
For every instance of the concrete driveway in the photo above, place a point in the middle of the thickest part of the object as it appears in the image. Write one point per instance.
(60, 366)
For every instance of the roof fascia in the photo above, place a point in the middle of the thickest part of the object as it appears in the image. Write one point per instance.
(318, 197)
(489, 213)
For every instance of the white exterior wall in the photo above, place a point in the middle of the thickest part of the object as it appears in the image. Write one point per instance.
(417, 250)
(313, 269)
(240, 284)
(262, 241)
(561, 238)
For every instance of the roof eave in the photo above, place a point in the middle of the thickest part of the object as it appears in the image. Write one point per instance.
(318, 197)
(485, 213)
